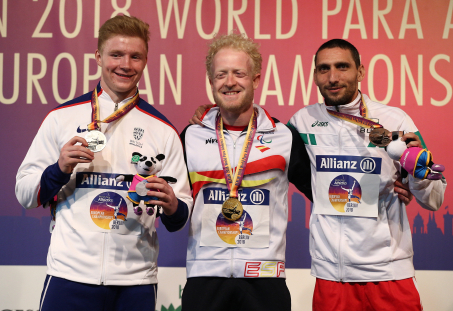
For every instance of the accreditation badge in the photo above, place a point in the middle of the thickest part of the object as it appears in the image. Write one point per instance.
(99, 204)
(347, 185)
(250, 230)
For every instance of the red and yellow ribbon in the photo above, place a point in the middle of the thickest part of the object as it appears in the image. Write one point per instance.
(94, 125)
(363, 121)
(233, 182)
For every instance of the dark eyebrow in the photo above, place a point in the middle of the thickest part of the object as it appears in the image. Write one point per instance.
(342, 64)
(322, 65)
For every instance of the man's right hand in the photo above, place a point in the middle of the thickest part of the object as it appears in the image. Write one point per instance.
(72, 154)
(198, 113)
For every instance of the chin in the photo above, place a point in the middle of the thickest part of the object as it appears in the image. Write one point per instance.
(233, 107)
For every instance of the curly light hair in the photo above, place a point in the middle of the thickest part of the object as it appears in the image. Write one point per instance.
(237, 42)
(123, 25)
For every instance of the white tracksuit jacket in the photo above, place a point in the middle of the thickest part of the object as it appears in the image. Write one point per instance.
(360, 249)
(88, 244)
(218, 248)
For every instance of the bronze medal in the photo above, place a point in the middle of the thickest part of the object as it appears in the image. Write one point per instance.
(232, 209)
(379, 137)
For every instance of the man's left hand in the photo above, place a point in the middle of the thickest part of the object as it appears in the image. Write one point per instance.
(167, 198)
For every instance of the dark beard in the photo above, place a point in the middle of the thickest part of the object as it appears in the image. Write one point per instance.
(339, 101)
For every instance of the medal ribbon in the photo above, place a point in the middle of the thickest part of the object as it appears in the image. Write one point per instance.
(94, 125)
(234, 182)
(360, 121)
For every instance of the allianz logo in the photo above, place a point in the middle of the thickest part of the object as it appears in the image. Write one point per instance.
(319, 123)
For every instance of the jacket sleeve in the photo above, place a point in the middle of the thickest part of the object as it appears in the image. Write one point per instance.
(39, 177)
(428, 193)
(299, 170)
(175, 166)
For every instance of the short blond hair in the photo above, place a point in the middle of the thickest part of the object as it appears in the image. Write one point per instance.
(237, 42)
(123, 25)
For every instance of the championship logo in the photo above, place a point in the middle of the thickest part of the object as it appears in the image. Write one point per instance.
(345, 193)
(235, 232)
(108, 210)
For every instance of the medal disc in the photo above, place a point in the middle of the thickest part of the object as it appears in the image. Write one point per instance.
(379, 137)
(232, 209)
(96, 140)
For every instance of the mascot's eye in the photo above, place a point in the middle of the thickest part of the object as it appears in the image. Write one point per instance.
(143, 159)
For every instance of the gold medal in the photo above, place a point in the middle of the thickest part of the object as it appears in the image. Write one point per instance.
(379, 137)
(232, 209)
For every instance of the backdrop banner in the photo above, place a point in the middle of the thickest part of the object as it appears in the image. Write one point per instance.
(47, 57)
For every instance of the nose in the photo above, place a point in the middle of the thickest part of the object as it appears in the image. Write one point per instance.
(125, 62)
(333, 76)
(230, 80)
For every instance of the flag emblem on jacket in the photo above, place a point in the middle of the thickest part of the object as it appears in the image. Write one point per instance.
(262, 148)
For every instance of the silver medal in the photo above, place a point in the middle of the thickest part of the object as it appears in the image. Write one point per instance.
(96, 140)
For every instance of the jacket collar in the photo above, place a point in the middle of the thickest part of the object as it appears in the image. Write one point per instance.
(353, 108)
(264, 121)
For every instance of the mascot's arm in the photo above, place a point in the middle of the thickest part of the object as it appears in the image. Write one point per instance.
(127, 178)
(169, 179)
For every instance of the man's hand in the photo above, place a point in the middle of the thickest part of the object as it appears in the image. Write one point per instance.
(72, 154)
(198, 113)
(404, 194)
(167, 198)
(414, 140)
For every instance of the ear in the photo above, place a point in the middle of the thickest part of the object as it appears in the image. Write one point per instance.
(361, 73)
(211, 83)
(160, 157)
(256, 81)
(97, 56)
(136, 153)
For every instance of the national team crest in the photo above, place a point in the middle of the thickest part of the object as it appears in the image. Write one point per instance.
(138, 133)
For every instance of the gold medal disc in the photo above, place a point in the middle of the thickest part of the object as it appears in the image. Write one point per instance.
(379, 137)
(232, 209)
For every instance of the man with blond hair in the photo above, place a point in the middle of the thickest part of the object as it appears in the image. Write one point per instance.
(240, 164)
(104, 258)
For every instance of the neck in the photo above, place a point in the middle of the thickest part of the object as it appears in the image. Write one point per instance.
(236, 119)
(118, 97)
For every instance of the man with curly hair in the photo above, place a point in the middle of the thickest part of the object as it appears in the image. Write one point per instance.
(240, 164)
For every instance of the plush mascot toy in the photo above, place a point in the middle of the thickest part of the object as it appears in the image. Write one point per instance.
(146, 166)
(416, 161)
